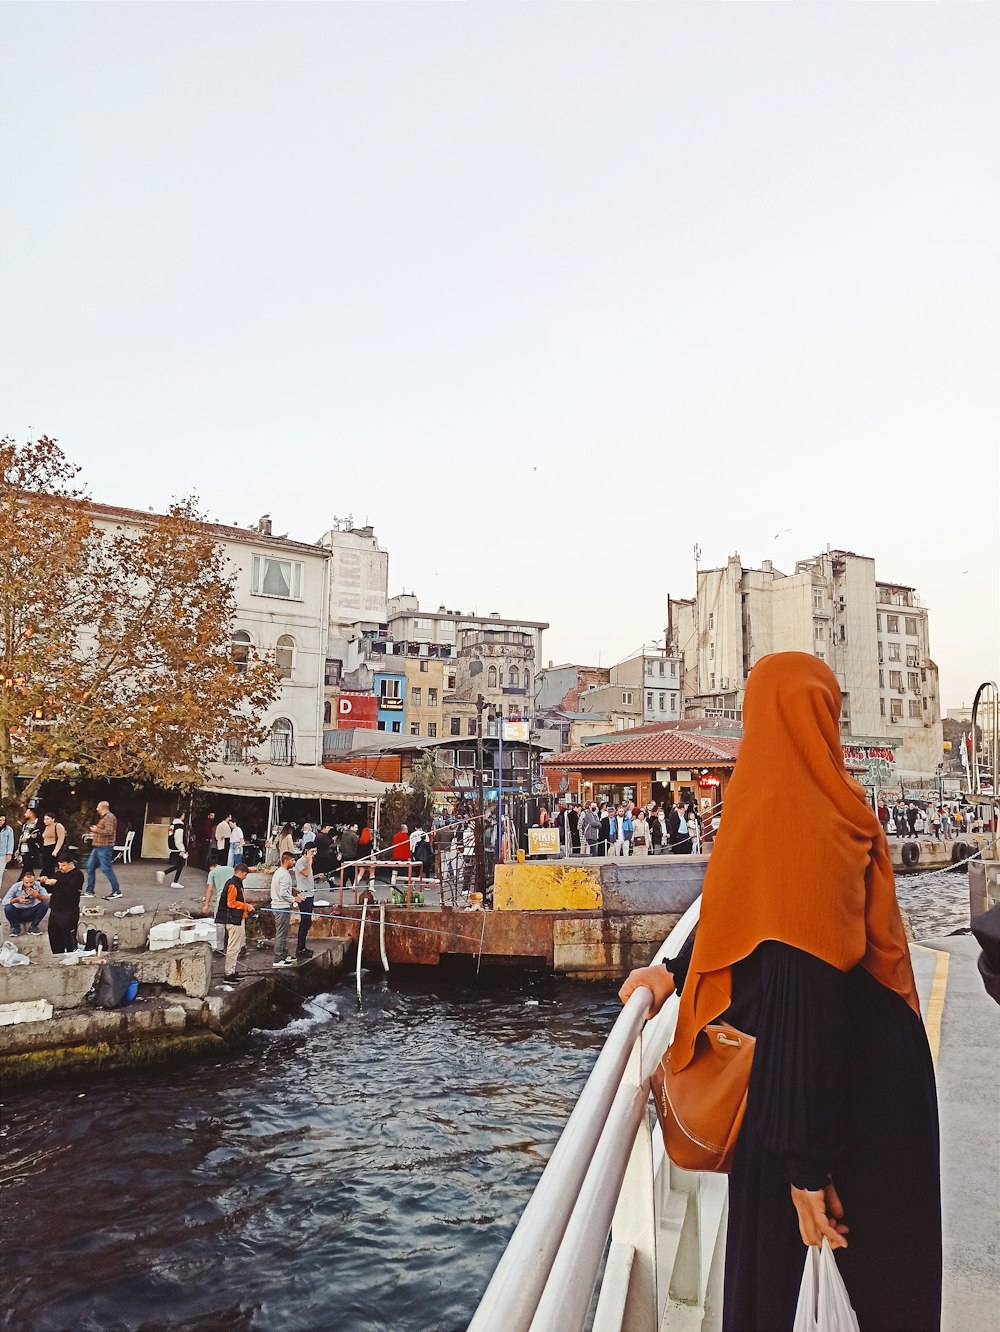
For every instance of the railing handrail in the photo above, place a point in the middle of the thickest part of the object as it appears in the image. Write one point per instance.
(515, 1292)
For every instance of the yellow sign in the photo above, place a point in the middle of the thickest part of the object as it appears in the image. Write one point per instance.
(515, 730)
(543, 841)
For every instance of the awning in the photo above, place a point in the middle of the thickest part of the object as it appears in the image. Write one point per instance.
(291, 782)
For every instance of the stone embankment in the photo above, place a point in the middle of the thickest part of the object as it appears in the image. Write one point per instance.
(183, 1007)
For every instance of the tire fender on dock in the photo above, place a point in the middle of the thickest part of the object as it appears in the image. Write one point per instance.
(910, 854)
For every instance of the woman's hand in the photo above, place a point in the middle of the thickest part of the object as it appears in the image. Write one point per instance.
(657, 980)
(821, 1216)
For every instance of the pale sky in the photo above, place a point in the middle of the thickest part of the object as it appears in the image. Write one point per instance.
(546, 293)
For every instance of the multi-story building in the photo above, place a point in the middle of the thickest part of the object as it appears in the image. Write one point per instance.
(618, 706)
(656, 676)
(359, 579)
(282, 595)
(492, 656)
(873, 634)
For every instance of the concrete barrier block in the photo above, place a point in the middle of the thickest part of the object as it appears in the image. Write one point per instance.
(652, 883)
(187, 967)
(552, 885)
(62, 986)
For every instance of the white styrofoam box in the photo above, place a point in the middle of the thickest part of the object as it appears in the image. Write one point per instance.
(28, 1010)
(206, 929)
(170, 929)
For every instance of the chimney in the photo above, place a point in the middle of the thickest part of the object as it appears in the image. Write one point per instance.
(264, 524)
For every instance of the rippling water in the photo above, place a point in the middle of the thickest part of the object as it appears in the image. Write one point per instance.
(349, 1171)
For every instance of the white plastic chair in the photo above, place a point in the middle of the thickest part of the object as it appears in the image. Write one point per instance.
(125, 851)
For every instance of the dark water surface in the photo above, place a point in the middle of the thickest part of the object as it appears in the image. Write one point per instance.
(349, 1171)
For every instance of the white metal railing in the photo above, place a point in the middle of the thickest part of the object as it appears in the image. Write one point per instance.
(609, 1174)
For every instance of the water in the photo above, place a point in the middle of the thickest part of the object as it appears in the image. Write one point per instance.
(349, 1171)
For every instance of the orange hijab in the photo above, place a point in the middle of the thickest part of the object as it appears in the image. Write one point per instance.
(800, 857)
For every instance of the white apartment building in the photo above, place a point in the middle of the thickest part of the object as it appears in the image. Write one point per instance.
(655, 676)
(282, 595)
(872, 633)
(359, 581)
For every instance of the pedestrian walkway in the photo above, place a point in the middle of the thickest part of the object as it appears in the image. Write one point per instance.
(957, 1008)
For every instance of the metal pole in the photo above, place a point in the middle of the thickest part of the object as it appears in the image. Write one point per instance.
(500, 792)
(480, 804)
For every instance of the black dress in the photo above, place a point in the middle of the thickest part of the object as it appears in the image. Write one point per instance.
(64, 913)
(842, 1084)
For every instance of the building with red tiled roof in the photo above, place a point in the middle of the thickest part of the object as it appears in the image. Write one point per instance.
(660, 764)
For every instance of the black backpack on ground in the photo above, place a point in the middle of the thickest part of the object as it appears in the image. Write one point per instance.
(110, 985)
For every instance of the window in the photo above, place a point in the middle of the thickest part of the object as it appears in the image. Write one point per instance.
(465, 758)
(894, 652)
(327, 713)
(910, 625)
(513, 710)
(500, 676)
(895, 708)
(663, 702)
(878, 623)
(455, 725)
(282, 742)
(914, 707)
(913, 680)
(276, 578)
(415, 698)
(711, 682)
(711, 619)
(663, 668)
(895, 679)
(284, 656)
(527, 681)
(817, 600)
(819, 632)
(626, 698)
(452, 679)
(892, 624)
(414, 728)
(472, 726)
(432, 729)
(233, 751)
(673, 702)
(491, 678)
(432, 698)
(881, 679)
(240, 651)
(381, 726)
(843, 633)
(649, 701)
(424, 666)
(881, 706)
(514, 677)
(711, 651)
(391, 688)
(397, 728)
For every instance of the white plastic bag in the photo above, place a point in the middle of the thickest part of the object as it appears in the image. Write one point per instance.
(824, 1305)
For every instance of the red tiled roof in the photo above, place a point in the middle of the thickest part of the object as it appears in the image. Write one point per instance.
(659, 749)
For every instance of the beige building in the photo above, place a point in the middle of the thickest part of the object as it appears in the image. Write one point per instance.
(873, 634)
(656, 676)
(491, 655)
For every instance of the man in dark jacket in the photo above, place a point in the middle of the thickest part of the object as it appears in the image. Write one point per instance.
(64, 903)
(349, 850)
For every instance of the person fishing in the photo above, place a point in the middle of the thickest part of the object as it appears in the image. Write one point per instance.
(801, 945)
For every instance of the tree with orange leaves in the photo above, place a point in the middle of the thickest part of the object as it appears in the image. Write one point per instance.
(114, 644)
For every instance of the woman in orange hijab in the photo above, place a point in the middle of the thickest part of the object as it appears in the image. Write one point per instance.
(801, 944)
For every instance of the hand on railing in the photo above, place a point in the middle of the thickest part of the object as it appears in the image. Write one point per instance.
(656, 979)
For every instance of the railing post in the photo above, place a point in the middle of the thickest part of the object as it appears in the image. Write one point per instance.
(634, 1221)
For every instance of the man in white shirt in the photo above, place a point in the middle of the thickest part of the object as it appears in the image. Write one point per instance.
(283, 898)
(236, 840)
(222, 830)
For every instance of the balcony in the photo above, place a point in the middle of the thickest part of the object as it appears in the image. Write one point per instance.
(517, 690)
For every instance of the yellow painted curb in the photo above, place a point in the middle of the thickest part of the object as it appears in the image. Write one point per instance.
(935, 1001)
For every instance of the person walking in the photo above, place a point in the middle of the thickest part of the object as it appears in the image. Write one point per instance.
(800, 944)
(102, 852)
(65, 888)
(283, 898)
(911, 818)
(232, 912)
(176, 852)
(218, 877)
(26, 903)
(305, 888)
(53, 840)
(401, 844)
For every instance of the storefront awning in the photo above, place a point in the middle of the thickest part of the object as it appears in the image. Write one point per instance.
(291, 783)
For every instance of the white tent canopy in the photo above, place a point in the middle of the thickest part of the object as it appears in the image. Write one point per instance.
(292, 783)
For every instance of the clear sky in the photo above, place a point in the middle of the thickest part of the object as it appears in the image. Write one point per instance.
(546, 293)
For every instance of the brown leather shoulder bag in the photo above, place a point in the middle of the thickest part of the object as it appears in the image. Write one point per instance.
(701, 1107)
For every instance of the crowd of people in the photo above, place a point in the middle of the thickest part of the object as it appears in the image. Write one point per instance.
(653, 829)
(910, 818)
